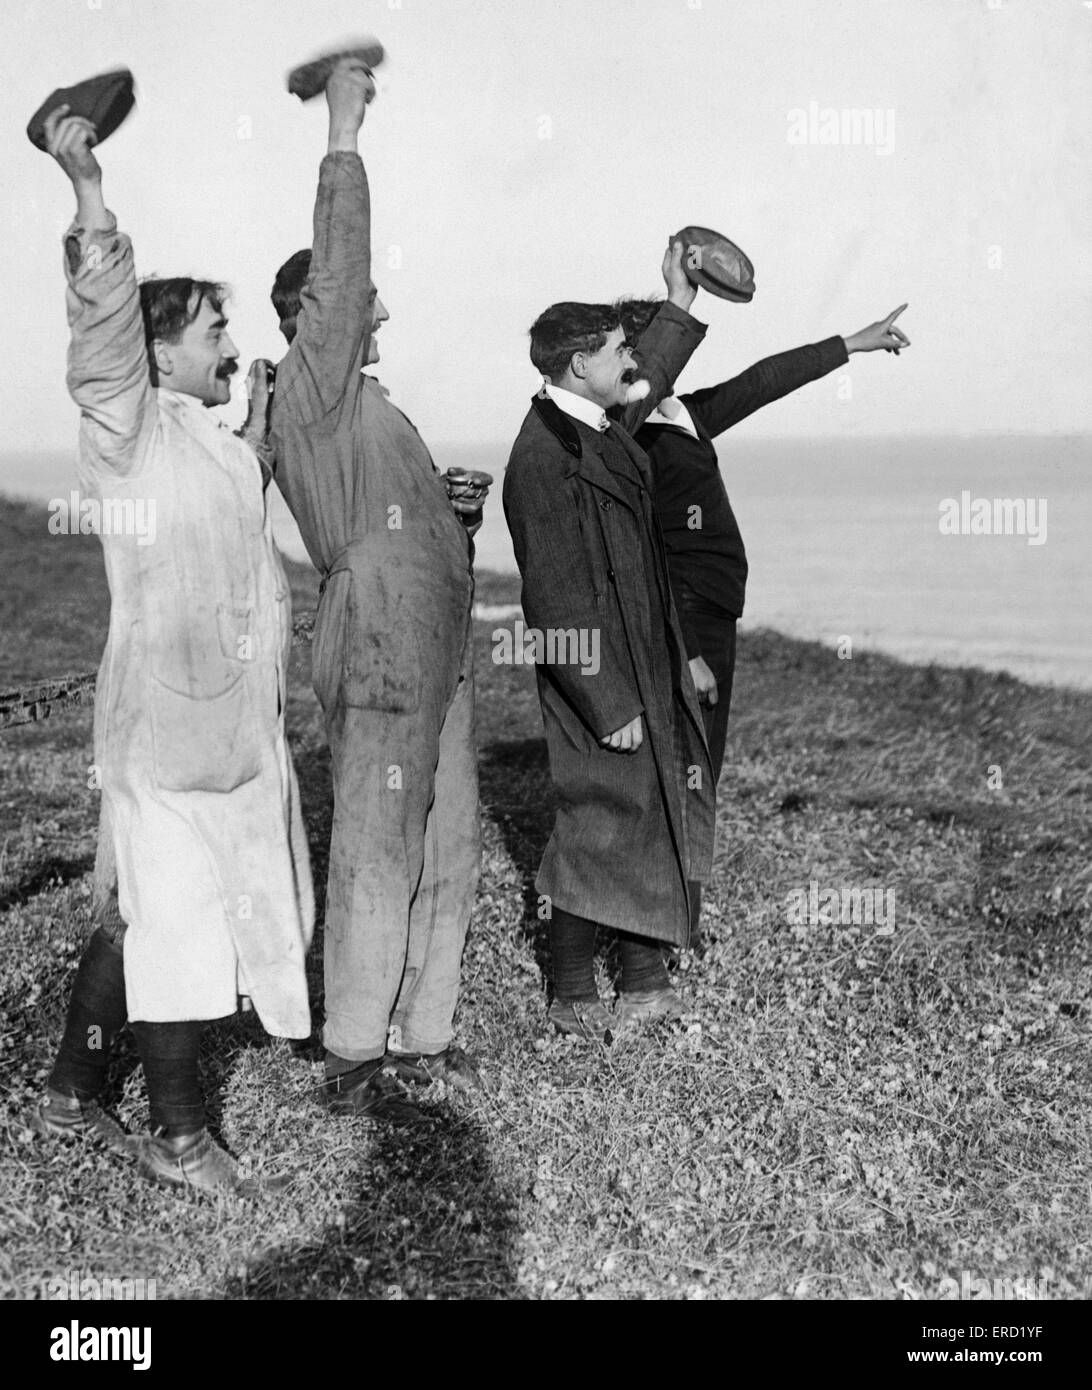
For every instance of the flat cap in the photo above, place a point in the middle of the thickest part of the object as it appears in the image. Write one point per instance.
(104, 100)
(309, 79)
(717, 264)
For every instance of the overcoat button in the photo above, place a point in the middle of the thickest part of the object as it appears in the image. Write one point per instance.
(610, 575)
(605, 504)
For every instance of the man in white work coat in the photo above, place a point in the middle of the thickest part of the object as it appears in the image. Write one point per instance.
(201, 826)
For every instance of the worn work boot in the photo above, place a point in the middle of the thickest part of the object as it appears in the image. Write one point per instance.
(367, 1091)
(195, 1162)
(453, 1066)
(586, 1018)
(650, 1006)
(62, 1116)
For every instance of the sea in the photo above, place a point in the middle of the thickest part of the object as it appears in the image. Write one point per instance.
(892, 544)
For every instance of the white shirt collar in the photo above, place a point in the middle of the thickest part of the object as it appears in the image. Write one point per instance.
(579, 407)
(192, 403)
(178, 396)
(671, 411)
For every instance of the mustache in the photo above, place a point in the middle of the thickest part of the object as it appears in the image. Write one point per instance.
(226, 370)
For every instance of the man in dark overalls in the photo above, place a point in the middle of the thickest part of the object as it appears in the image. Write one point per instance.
(391, 657)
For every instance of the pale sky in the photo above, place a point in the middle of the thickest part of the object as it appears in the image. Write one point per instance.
(525, 152)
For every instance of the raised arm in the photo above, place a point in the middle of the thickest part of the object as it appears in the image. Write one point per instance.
(669, 341)
(335, 318)
(717, 408)
(108, 374)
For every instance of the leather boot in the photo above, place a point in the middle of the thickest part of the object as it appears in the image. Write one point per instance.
(452, 1065)
(193, 1161)
(650, 1006)
(61, 1116)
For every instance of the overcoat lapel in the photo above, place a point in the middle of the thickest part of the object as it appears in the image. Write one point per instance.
(595, 462)
(635, 455)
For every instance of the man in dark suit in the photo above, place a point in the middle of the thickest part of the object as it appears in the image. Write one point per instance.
(627, 749)
(705, 555)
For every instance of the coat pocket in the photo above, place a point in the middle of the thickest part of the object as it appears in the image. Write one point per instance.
(204, 650)
(207, 745)
(238, 636)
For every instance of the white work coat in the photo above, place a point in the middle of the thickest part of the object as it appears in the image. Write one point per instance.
(200, 807)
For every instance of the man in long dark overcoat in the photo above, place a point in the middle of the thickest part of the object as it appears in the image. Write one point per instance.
(706, 559)
(628, 754)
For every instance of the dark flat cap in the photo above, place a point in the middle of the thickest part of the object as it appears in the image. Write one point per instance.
(104, 100)
(309, 79)
(717, 264)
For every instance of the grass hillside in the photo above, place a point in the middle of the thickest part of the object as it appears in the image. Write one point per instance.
(847, 1113)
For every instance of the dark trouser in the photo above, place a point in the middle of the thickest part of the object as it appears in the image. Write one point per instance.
(572, 957)
(96, 1015)
(716, 632)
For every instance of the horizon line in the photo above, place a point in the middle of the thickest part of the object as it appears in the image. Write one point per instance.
(802, 438)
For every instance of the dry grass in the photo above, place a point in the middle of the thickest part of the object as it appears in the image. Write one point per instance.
(845, 1114)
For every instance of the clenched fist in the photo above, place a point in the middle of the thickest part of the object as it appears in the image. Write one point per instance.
(681, 290)
(259, 395)
(705, 683)
(69, 140)
(627, 739)
(350, 88)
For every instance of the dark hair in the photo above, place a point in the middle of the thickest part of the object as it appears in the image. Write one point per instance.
(635, 315)
(565, 329)
(290, 280)
(165, 305)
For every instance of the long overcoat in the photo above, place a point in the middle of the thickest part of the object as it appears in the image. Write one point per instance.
(631, 829)
(200, 815)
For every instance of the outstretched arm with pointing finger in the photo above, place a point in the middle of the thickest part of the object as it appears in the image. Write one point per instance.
(881, 334)
(718, 408)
